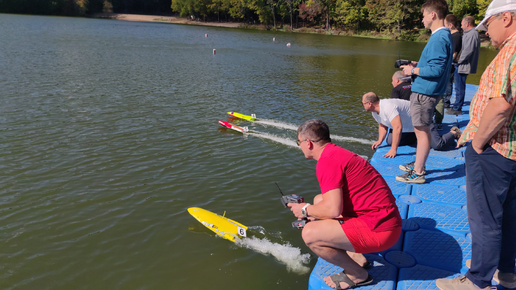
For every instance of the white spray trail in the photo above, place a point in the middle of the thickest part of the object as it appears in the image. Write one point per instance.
(277, 124)
(293, 127)
(352, 139)
(282, 140)
(286, 254)
(277, 139)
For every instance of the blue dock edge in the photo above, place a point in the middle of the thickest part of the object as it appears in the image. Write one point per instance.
(436, 240)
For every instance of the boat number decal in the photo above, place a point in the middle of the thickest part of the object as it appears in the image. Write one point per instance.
(242, 232)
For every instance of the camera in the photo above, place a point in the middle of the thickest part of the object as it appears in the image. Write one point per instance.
(401, 62)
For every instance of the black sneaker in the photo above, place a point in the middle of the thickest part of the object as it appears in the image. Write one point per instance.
(456, 132)
(453, 112)
(412, 177)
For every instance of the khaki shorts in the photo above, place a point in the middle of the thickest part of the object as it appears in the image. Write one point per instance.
(422, 109)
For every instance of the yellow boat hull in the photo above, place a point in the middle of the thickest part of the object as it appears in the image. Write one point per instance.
(242, 116)
(222, 226)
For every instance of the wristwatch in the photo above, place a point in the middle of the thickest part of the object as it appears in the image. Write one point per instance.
(412, 71)
(303, 210)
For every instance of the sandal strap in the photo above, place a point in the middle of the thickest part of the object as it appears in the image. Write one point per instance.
(342, 277)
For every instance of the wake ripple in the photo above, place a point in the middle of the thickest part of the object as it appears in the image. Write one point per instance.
(277, 124)
(352, 139)
(275, 138)
(293, 127)
(286, 254)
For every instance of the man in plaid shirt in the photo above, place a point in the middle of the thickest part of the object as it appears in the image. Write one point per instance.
(491, 160)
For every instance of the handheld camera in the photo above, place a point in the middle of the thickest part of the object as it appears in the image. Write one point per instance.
(401, 62)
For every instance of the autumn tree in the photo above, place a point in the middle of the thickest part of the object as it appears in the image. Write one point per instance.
(349, 13)
(461, 8)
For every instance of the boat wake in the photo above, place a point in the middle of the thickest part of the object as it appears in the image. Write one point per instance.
(290, 142)
(282, 140)
(286, 254)
(293, 127)
(277, 124)
(352, 139)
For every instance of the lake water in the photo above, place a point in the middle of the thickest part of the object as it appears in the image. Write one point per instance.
(108, 133)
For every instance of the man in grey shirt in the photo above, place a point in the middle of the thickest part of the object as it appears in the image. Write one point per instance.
(467, 63)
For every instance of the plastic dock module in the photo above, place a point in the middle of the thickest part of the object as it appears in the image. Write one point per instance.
(436, 241)
(383, 272)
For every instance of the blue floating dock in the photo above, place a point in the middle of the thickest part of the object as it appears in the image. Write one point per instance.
(435, 242)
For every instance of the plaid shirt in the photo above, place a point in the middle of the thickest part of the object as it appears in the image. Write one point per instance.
(498, 81)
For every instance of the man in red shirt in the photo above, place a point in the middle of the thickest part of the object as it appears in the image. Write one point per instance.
(355, 213)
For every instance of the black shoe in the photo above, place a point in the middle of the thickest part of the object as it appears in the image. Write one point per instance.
(453, 112)
(456, 132)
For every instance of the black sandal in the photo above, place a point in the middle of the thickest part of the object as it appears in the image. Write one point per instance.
(342, 277)
(368, 265)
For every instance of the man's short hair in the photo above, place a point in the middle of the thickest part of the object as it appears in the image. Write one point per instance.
(440, 7)
(400, 75)
(315, 130)
(452, 19)
(470, 20)
(371, 97)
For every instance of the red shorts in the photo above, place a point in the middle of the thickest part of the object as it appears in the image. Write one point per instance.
(364, 240)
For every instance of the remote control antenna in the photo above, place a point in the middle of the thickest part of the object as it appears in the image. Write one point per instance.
(279, 189)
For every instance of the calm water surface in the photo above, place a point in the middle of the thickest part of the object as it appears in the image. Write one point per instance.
(108, 133)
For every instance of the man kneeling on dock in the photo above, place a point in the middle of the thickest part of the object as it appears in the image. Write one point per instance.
(391, 114)
(394, 115)
(355, 213)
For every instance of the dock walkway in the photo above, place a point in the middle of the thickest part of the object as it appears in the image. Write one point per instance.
(436, 241)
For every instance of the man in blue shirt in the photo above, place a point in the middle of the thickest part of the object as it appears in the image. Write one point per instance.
(432, 74)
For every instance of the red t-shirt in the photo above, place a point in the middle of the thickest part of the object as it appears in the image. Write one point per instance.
(366, 194)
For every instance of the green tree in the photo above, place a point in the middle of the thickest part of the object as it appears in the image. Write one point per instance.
(273, 4)
(184, 7)
(288, 9)
(218, 8)
(238, 9)
(264, 9)
(376, 10)
(461, 8)
(107, 6)
(482, 6)
(394, 17)
(328, 10)
(349, 13)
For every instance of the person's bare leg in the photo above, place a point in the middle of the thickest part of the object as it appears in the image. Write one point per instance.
(328, 241)
(358, 258)
(423, 147)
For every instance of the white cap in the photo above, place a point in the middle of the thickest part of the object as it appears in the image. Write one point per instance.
(496, 7)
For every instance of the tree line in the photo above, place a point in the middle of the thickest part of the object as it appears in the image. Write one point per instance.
(397, 18)
(85, 7)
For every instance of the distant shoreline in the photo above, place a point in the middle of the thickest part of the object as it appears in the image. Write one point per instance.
(164, 19)
(186, 20)
(182, 20)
